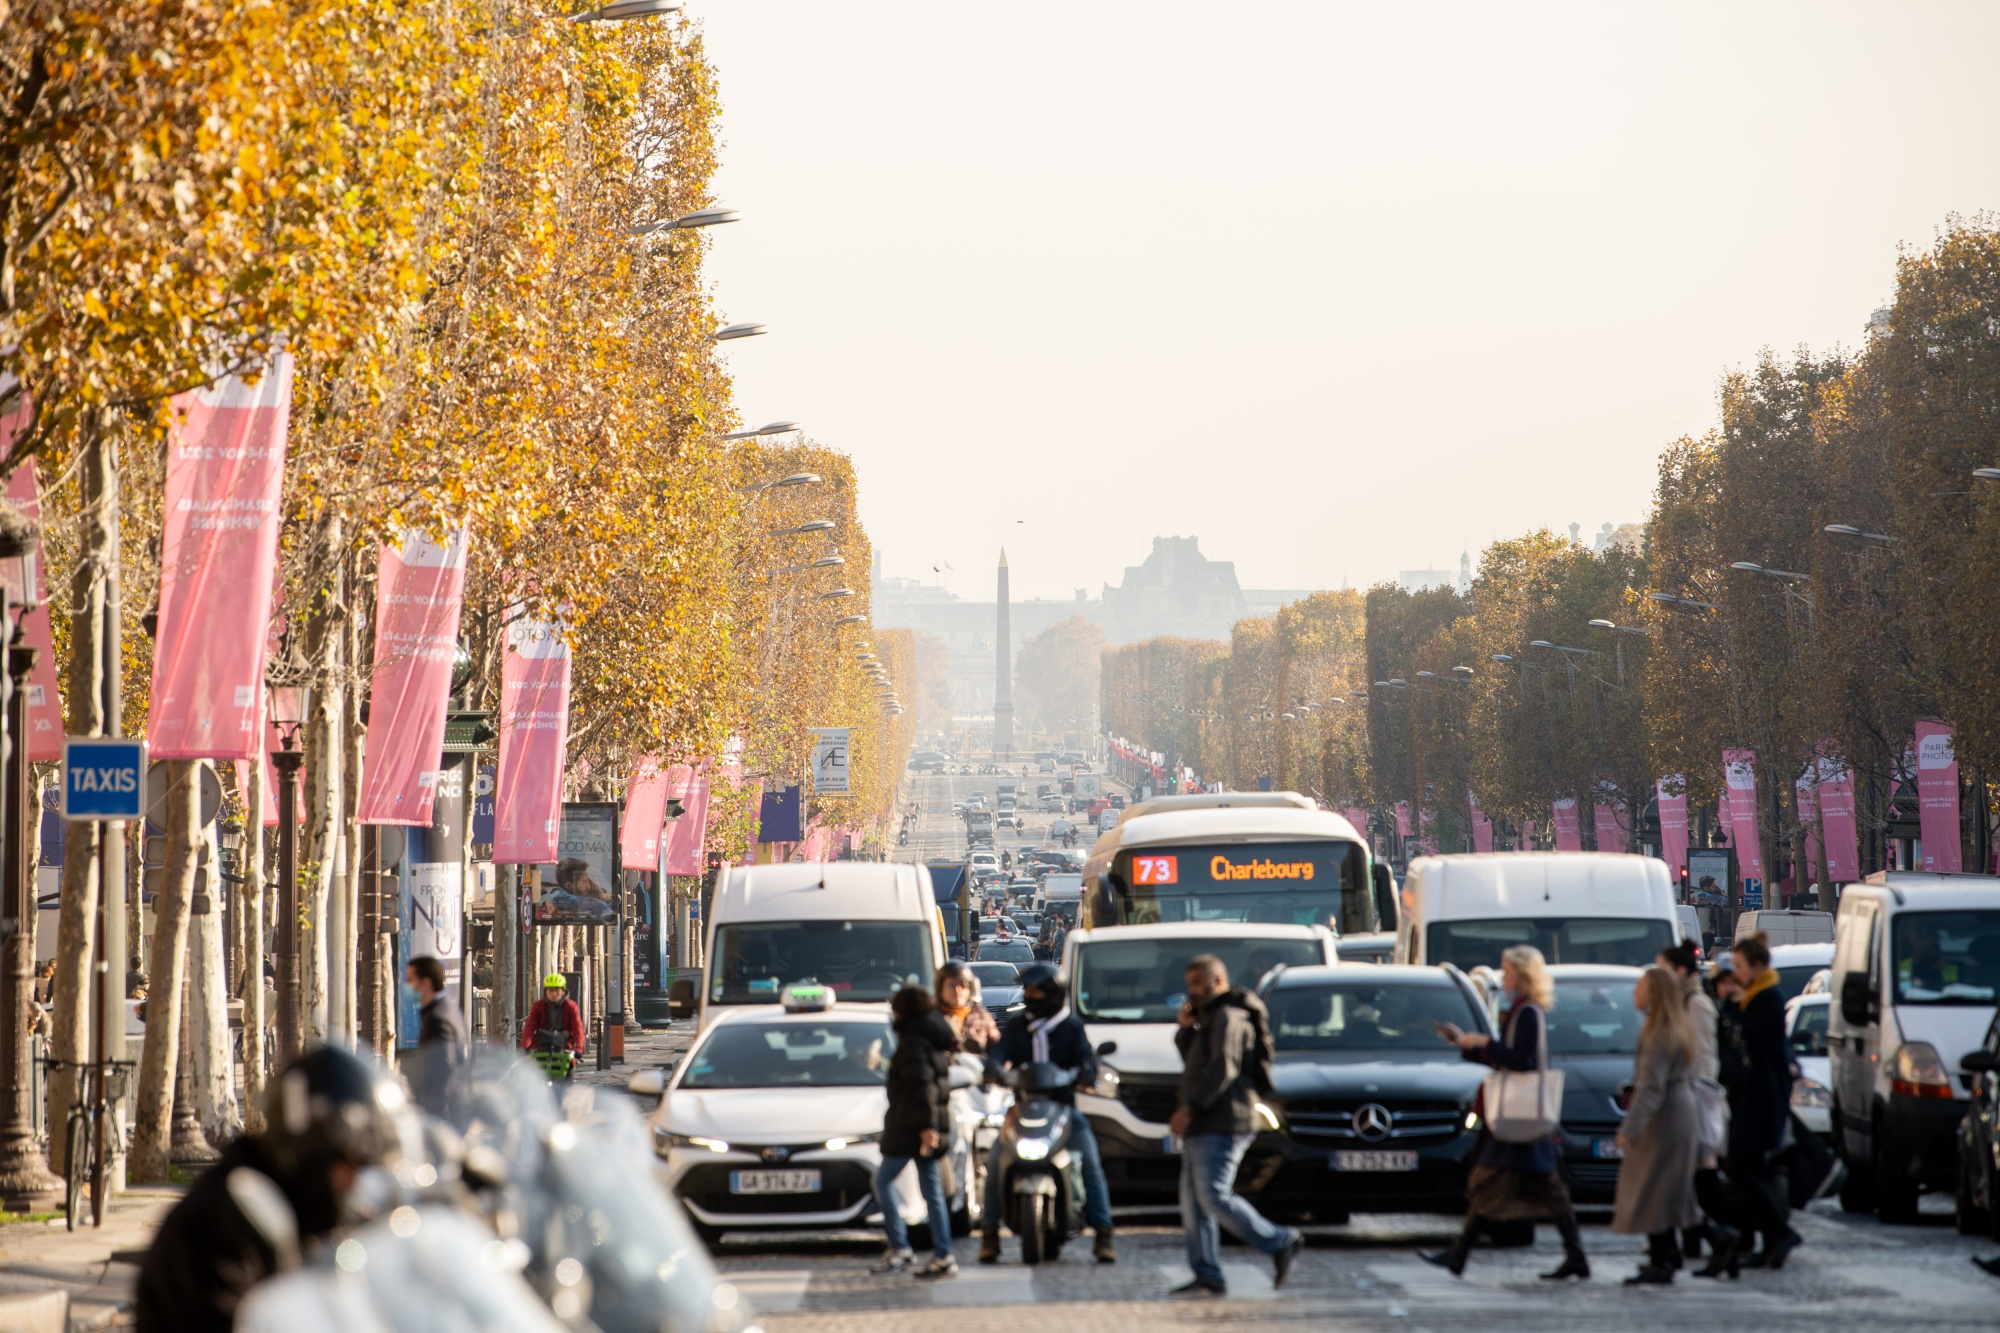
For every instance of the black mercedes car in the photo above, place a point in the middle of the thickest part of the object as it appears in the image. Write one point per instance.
(1374, 1109)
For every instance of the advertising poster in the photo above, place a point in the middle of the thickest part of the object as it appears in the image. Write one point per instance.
(432, 897)
(580, 889)
(1937, 798)
(830, 757)
(1708, 876)
(419, 591)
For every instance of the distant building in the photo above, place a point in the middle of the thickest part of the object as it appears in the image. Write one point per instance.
(1418, 580)
(1178, 591)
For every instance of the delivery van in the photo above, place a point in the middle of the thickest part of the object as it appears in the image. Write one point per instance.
(1576, 907)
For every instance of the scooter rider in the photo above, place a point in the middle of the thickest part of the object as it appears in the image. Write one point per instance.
(252, 1213)
(1046, 1032)
(554, 1010)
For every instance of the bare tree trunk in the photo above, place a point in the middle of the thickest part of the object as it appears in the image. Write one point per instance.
(210, 1063)
(253, 941)
(152, 1133)
(76, 923)
(325, 766)
(348, 887)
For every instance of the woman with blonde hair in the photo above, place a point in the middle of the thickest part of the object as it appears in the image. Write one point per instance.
(1661, 1137)
(1515, 1182)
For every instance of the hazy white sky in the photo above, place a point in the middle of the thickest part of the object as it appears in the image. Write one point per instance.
(1336, 288)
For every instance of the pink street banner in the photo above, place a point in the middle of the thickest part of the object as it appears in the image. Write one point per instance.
(1836, 817)
(534, 731)
(218, 555)
(1739, 781)
(1569, 835)
(1403, 819)
(420, 591)
(681, 852)
(1671, 792)
(645, 813)
(1608, 814)
(45, 720)
(1937, 798)
(1357, 817)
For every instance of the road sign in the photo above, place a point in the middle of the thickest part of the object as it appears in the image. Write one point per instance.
(830, 757)
(103, 777)
(210, 788)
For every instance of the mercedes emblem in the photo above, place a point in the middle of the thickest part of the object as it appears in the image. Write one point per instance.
(1373, 1121)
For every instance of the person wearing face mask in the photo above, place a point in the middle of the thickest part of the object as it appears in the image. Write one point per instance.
(957, 991)
(1513, 1182)
(440, 1035)
(1046, 1032)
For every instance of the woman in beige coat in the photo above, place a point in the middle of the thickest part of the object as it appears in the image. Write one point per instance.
(1662, 1132)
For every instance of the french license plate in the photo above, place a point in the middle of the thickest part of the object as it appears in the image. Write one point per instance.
(1606, 1150)
(774, 1182)
(1374, 1161)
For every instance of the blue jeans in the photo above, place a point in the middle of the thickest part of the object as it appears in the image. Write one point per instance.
(1208, 1176)
(931, 1182)
(1096, 1194)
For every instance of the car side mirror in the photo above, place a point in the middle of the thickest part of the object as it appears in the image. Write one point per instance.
(962, 1077)
(1385, 897)
(1111, 1048)
(1978, 1062)
(1857, 999)
(649, 1082)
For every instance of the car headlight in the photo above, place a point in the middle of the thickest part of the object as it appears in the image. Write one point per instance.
(1030, 1149)
(993, 1119)
(1266, 1114)
(1107, 1082)
(1809, 1092)
(1472, 1120)
(850, 1140)
(663, 1140)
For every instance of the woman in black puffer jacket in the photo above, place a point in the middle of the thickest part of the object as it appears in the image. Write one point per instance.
(917, 1130)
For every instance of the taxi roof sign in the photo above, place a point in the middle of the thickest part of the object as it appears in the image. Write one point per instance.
(807, 997)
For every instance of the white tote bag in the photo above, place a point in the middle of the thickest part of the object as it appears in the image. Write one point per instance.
(1524, 1105)
(1711, 1107)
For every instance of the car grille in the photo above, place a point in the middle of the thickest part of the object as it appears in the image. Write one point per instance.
(1152, 1102)
(842, 1186)
(1334, 1121)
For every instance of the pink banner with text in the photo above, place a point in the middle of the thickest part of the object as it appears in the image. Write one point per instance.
(1569, 834)
(645, 812)
(534, 731)
(1937, 798)
(218, 555)
(419, 593)
(1671, 792)
(45, 719)
(1739, 780)
(1608, 816)
(1838, 828)
(683, 847)
(1403, 818)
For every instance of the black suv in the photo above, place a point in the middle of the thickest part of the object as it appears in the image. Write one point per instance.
(1979, 1140)
(1375, 1109)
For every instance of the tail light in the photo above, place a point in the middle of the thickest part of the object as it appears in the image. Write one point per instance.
(1920, 1072)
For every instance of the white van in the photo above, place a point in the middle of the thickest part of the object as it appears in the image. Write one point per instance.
(860, 928)
(1576, 907)
(1916, 976)
(1785, 926)
(1061, 893)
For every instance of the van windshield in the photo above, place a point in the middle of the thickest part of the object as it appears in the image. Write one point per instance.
(1948, 957)
(1623, 941)
(857, 960)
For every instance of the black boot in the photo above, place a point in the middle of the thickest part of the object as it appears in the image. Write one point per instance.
(1726, 1252)
(989, 1245)
(1575, 1263)
(1453, 1259)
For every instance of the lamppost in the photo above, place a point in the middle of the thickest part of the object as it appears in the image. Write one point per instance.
(24, 1175)
(290, 688)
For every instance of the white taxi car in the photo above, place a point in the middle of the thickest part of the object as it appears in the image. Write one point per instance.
(773, 1120)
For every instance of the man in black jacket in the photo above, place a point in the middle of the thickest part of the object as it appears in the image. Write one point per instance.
(433, 1066)
(1226, 1050)
(1757, 1076)
(1046, 1032)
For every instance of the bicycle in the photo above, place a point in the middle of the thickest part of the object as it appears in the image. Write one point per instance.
(83, 1155)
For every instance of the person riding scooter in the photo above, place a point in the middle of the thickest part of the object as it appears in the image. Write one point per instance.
(1046, 1032)
(554, 1012)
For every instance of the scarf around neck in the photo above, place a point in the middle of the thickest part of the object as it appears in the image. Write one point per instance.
(1038, 1033)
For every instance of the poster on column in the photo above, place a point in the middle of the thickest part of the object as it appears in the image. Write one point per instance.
(580, 887)
(1937, 798)
(218, 556)
(419, 592)
(432, 906)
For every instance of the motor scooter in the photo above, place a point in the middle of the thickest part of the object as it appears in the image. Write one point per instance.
(1041, 1178)
(551, 1051)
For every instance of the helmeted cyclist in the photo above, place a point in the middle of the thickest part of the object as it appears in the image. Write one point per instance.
(249, 1216)
(554, 1010)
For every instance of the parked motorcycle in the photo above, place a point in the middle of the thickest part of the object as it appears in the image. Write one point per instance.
(1041, 1179)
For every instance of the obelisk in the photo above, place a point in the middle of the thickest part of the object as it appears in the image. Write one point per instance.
(1003, 675)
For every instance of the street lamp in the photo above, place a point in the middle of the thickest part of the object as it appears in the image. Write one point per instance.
(289, 683)
(1750, 567)
(1849, 530)
(618, 11)
(1622, 629)
(796, 479)
(768, 428)
(824, 562)
(837, 592)
(852, 620)
(1668, 599)
(701, 217)
(1987, 473)
(731, 332)
(817, 525)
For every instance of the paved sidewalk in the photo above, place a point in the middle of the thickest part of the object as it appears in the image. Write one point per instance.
(98, 1268)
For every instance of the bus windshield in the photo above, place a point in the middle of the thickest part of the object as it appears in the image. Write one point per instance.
(1321, 882)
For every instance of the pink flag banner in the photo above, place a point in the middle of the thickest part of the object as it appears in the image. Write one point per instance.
(1608, 817)
(681, 852)
(1403, 818)
(218, 555)
(1937, 798)
(1739, 781)
(1482, 835)
(1836, 817)
(1671, 792)
(419, 593)
(1569, 834)
(1357, 817)
(1722, 825)
(45, 720)
(534, 731)
(645, 814)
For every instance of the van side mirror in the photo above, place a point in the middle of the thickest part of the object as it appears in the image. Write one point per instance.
(1111, 1048)
(649, 1082)
(1977, 1062)
(1857, 1000)
(1385, 897)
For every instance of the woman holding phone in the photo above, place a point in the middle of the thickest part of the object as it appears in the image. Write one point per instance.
(1514, 1182)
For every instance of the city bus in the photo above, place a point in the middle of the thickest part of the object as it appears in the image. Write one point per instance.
(1269, 857)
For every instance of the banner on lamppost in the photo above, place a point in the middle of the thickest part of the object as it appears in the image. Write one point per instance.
(1569, 833)
(1937, 798)
(645, 813)
(24, 582)
(1671, 793)
(218, 555)
(534, 731)
(1837, 827)
(1607, 811)
(1739, 779)
(683, 844)
(1403, 819)
(420, 589)
(830, 761)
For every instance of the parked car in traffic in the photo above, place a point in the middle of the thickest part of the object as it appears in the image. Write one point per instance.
(999, 985)
(1593, 1030)
(1375, 946)
(1978, 1195)
(1797, 964)
(1805, 1037)
(1786, 926)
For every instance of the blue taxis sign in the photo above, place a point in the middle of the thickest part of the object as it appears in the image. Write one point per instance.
(104, 777)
